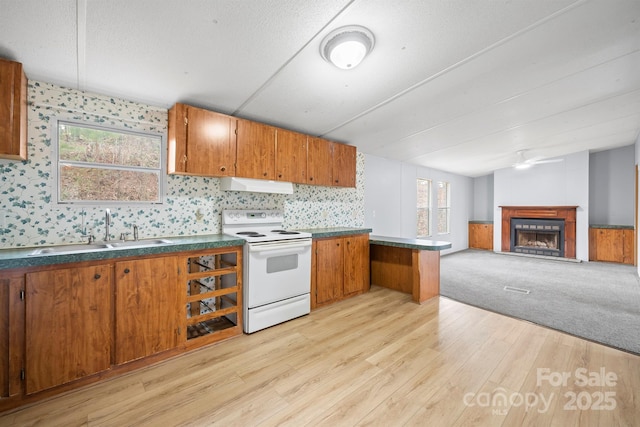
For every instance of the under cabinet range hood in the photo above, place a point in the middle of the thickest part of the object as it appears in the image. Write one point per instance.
(255, 185)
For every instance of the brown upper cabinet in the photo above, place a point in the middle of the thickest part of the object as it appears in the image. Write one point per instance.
(201, 142)
(206, 143)
(13, 111)
(319, 161)
(256, 152)
(291, 156)
(344, 165)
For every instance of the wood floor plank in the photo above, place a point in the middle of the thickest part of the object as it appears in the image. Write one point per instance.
(375, 359)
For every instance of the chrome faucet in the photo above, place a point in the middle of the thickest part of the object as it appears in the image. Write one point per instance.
(107, 223)
(135, 232)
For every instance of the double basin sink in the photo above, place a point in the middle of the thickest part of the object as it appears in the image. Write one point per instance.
(100, 246)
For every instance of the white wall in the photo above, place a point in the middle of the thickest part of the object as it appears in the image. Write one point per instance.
(565, 183)
(390, 200)
(612, 186)
(483, 198)
(382, 195)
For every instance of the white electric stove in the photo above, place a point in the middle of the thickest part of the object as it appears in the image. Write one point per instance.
(276, 267)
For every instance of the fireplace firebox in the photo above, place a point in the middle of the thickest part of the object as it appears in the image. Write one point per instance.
(537, 236)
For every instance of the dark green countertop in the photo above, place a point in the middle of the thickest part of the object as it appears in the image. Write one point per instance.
(20, 257)
(619, 227)
(481, 221)
(318, 233)
(420, 244)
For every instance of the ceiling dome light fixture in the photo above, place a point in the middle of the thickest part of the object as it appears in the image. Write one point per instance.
(346, 47)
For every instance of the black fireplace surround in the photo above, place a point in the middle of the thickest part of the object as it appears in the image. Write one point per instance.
(537, 236)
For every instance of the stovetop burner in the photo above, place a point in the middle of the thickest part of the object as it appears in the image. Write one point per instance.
(285, 232)
(250, 233)
(258, 226)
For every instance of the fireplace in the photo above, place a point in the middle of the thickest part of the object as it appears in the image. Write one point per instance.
(537, 236)
(533, 238)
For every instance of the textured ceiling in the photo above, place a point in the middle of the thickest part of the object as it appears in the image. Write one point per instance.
(456, 85)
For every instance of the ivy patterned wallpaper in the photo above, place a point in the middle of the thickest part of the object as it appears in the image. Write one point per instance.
(30, 217)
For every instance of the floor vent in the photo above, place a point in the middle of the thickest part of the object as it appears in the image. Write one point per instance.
(518, 290)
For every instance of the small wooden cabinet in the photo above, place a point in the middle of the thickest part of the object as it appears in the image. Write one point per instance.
(319, 161)
(291, 156)
(213, 292)
(68, 325)
(256, 152)
(343, 165)
(201, 142)
(611, 244)
(13, 111)
(340, 268)
(481, 236)
(149, 304)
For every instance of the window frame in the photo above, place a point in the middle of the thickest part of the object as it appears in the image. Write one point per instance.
(429, 207)
(446, 208)
(57, 164)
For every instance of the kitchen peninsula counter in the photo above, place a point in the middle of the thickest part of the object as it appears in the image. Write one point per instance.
(320, 233)
(407, 265)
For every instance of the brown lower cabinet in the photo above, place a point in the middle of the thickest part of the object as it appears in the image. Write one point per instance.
(612, 245)
(68, 325)
(481, 236)
(149, 307)
(340, 268)
(64, 326)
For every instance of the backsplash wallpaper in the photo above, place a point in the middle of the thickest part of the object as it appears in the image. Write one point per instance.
(29, 215)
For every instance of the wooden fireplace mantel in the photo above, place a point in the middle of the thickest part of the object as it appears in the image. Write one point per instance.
(568, 213)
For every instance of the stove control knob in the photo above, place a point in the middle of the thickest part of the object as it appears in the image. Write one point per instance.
(263, 215)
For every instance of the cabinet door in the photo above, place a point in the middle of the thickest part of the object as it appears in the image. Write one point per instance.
(610, 245)
(356, 264)
(319, 161)
(13, 111)
(211, 143)
(329, 270)
(11, 335)
(149, 307)
(291, 156)
(344, 165)
(256, 151)
(68, 325)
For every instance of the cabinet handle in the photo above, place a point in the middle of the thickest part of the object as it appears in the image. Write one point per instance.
(310, 178)
(97, 276)
(222, 168)
(127, 271)
(184, 159)
(264, 174)
(279, 175)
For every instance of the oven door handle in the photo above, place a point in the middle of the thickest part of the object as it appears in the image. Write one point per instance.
(280, 248)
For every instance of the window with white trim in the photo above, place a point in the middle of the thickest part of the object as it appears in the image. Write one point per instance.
(101, 165)
(423, 198)
(444, 207)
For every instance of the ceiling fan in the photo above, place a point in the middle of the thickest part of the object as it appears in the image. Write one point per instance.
(523, 163)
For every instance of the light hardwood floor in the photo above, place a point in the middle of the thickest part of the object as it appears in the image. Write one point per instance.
(376, 359)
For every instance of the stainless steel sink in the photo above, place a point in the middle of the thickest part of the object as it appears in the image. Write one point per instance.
(100, 246)
(67, 249)
(140, 243)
